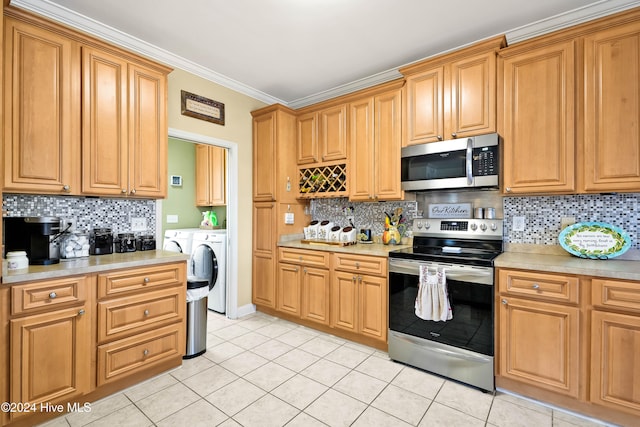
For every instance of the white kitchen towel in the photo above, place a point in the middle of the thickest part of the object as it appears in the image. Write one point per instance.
(432, 301)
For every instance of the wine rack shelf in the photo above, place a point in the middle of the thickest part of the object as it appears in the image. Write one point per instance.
(323, 181)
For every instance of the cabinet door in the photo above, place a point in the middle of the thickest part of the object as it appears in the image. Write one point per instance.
(538, 119)
(264, 156)
(344, 298)
(373, 307)
(332, 133)
(147, 140)
(218, 160)
(288, 294)
(388, 143)
(424, 107)
(264, 259)
(553, 331)
(307, 136)
(203, 183)
(50, 356)
(41, 111)
(315, 295)
(104, 124)
(612, 110)
(361, 160)
(473, 96)
(615, 365)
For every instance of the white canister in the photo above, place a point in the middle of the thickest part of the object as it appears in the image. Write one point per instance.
(324, 230)
(313, 229)
(348, 235)
(17, 260)
(334, 234)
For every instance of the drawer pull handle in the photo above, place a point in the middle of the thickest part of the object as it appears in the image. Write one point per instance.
(146, 312)
(146, 280)
(81, 312)
(536, 286)
(145, 352)
(52, 295)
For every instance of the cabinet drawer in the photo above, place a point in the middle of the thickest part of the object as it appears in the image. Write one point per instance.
(616, 294)
(125, 357)
(119, 282)
(552, 287)
(48, 294)
(123, 316)
(360, 264)
(305, 257)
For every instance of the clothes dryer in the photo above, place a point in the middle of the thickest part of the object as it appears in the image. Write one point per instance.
(208, 259)
(179, 240)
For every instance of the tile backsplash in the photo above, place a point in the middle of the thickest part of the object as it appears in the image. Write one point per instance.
(89, 212)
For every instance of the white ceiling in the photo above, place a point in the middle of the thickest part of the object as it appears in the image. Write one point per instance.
(298, 52)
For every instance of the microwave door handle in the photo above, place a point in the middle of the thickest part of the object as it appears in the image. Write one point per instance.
(469, 161)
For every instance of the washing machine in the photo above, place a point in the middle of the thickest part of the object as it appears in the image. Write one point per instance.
(208, 259)
(179, 240)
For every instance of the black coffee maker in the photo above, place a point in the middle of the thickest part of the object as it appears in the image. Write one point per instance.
(37, 235)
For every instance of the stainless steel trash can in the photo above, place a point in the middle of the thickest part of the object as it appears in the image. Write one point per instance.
(196, 322)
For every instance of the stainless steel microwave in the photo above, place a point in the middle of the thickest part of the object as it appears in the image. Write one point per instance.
(454, 164)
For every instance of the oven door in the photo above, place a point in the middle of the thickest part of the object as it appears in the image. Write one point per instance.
(471, 294)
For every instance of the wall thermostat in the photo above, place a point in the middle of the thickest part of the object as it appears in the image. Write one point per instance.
(176, 181)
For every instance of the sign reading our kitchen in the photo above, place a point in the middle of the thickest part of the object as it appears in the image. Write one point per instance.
(450, 210)
(596, 240)
(202, 108)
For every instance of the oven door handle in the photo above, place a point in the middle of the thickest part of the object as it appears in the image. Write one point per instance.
(434, 349)
(452, 271)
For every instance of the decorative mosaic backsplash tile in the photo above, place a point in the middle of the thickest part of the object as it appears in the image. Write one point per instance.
(543, 215)
(89, 212)
(366, 215)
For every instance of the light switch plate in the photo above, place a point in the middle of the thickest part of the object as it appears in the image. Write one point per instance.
(518, 223)
(288, 218)
(172, 219)
(138, 224)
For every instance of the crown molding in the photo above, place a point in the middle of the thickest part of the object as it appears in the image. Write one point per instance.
(90, 26)
(68, 17)
(573, 17)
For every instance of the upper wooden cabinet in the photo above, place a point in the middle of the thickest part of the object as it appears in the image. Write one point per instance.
(452, 96)
(322, 135)
(81, 116)
(538, 117)
(124, 137)
(211, 175)
(41, 110)
(612, 109)
(375, 138)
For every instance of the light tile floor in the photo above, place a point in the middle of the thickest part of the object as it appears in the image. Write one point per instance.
(264, 371)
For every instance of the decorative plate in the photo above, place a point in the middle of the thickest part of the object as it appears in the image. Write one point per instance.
(594, 240)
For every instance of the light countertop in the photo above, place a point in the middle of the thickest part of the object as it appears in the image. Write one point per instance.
(91, 264)
(371, 249)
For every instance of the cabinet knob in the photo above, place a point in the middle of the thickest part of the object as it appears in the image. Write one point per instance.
(439, 137)
(133, 191)
(66, 188)
(145, 352)
(146, 312)
(81, 312)
(146, 280)
(300, 257)
(535, 286)
(508, 189)
(355, 278)
(124, 191)
(304, 270)
(504, 302)
(357, 264)
(52, 295)
(454, 135)
(295, 269)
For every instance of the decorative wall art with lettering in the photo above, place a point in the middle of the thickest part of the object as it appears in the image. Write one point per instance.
(449, 210)
(202, 108)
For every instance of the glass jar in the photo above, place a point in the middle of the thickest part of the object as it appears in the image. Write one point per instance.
(74, 245)
(17, 260)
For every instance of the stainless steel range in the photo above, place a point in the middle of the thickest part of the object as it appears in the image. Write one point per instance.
(461, 348)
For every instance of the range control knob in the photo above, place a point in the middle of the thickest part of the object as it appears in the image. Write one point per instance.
(419, 224)
(427, 225)
(483, 226)
(474, 226)
(494, 227)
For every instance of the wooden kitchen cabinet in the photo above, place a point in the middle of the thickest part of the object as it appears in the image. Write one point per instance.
(612, 109)
(615, 333)
(41, 110)
(359, 295)
(538, 93)
(304, 284)
(264, 254)
(50, 341)
(322, 135)
(452, 96)
(124, 138)
(375, 138)
(141, 320)
(211, 175)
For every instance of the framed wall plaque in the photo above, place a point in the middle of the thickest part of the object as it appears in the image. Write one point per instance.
(202, 108)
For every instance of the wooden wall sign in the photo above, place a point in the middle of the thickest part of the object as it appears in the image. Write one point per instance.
(202, 108)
